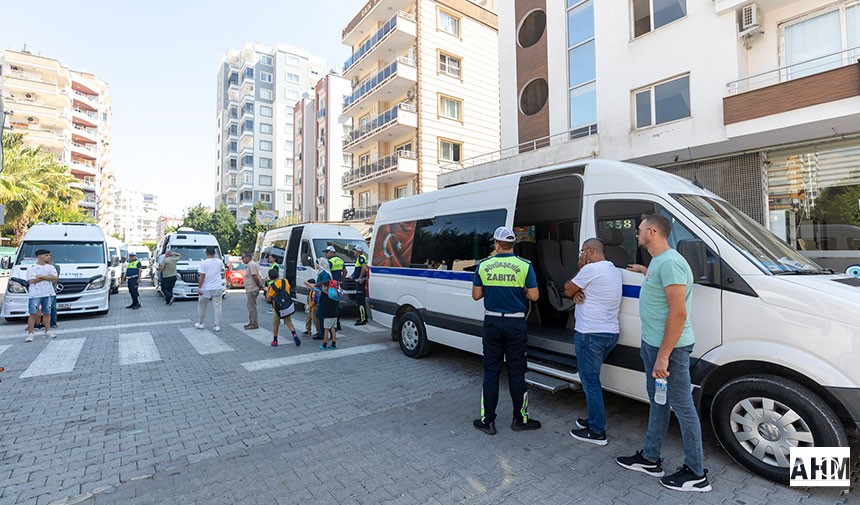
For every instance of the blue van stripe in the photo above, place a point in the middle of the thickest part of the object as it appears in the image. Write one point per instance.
(630, 291)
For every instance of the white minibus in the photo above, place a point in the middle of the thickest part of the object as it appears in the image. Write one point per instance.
(775, 364)
(191, 245)
(116, 268)
(80, 251)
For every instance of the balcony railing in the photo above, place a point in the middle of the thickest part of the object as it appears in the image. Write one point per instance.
(87, 113)
(366, 212)
(89, 98)
(375, 81)
(378, 123)
(379, 167)
(85, 148)
(376, 38)
(91, 131)
(795, 71)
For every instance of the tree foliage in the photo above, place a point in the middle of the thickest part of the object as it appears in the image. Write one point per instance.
(248, 236)
(219, 223)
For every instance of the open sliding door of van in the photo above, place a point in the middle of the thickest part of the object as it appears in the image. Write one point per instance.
(292, 255)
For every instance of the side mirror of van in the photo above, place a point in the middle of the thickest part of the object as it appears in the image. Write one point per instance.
(114, 261)
(5, 262)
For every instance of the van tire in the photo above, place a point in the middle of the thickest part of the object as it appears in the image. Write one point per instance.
(780, 396)
(412, 335)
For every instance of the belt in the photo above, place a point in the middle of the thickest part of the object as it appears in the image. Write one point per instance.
(500, 314)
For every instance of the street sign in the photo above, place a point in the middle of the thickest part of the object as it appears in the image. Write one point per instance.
(266, 217)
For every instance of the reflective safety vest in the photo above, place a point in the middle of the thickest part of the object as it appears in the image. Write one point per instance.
(132, 265)
(362, 260)
(336, 263)
(506, 271)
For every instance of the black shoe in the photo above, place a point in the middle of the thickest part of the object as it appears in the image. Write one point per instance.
(171, 301)
(135, 307)
(586, 435)
(488, 428)
(130, 306)
(317, 338)
(55, 325)
(360, 323)
(531, 424)
(338, 328)
(638, 463)
(685, 480)
(38, 326)
(581, 423)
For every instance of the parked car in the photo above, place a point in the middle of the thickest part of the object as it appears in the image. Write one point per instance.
(235, 275)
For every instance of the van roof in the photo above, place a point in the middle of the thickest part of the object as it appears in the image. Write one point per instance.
(317, 229)
(64, 232)
(192, 237)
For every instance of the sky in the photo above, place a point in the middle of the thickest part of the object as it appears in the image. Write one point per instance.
(161, 58)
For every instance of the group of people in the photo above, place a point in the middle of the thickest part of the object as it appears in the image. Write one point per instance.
(507, 283)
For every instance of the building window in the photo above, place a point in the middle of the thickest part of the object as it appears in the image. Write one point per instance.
(265, 180)
(288, 163)
(234, 113)
(232, 181)
(404, 148)
(534, 96)
(232, 163)
(347, 160)
(234, 130)
(812, 42)
(249, 73)
(293, 60)
(248, 160)
(265, 145)
(233, 146)
(265, 162)
(581, 80)
(450, 150)
(266, 94)
(288, 145)
(401, 192)
(449, 65)
(267, 60)
(266, 76)
(266, 197)
(292, 94)
(649, 15)
(663, 102)
(248, 125)
(266, 128)
(288, 197)
(364, 199)
(294, 78)
(288, 128)
(265, 111)
(248, 179)
(448, 23)
(248, 108)
(450, 108)
(364, 160)
(532, 28)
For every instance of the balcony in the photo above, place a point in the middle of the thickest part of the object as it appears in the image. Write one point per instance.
(45, 138)
(84, 150)
(88, 203)
(373, 13)
(78, 167)
(396, 35)
(27, 82)
(386, 85)
(402, 165)
(395, 122)
(33, 115)
(83, 185)
(365, 213)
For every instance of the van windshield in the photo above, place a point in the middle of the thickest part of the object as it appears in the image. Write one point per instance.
(758, 244)
(342, 247)
(143, 255)
(193, 252)
(64, 252)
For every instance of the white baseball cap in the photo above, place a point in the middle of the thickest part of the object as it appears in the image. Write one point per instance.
(330, 249)
(360, 248)
(504, 234)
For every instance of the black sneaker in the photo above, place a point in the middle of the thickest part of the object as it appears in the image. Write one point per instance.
(685, 480)
(531, 424)
(638, 463)
(360, 323)
(488, 428)
(581, 423)
(586, 435)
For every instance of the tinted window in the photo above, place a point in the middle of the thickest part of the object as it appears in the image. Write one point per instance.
(455, 242)
(66, 252)
(343, 247)
(192, 253)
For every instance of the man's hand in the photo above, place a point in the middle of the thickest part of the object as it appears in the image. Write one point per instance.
(579, 298)
(583, 259)
(661, 367)
(642, 269)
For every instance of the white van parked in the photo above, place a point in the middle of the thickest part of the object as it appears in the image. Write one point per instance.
(116, 268)
(775, 364)
(191, 245)
(142, 253)
(296, 248)
(80, 251)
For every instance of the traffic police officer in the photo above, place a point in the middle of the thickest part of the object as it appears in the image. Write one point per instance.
(336, 264)
(132, 274)
(505, 282)
(360, 276)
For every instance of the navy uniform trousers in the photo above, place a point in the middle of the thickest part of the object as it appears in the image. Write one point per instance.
(504, 342)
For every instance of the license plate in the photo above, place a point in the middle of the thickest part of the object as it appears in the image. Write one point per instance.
(61, 306)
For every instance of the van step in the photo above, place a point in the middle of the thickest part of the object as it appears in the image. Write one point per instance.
(546, 382)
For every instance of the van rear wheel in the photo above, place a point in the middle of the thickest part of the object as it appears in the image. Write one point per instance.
(758, 418)
(413, 336)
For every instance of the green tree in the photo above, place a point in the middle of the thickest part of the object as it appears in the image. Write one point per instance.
(197, 218)
(248, 236)
(220, 223)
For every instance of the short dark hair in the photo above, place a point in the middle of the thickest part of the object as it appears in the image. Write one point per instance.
(247, 255)
(40, 252)
(660, 223)
(596, 244)
(507, 246)
(210, 251)
(273, 274)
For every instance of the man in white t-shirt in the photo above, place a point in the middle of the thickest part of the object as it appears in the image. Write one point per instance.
(597, 290)
(41, 277)
(211, 271)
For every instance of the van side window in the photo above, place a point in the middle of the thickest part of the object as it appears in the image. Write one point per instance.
(457, 241)
(278, 250)
(617, 221)
(305, 256)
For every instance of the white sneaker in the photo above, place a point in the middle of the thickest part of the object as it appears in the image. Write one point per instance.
(29, 338)
(49, 334)
(216, 328)
(200, 326)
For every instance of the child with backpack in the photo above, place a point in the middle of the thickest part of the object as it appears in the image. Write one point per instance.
(278, 295)
(313, 301)
(327, 308)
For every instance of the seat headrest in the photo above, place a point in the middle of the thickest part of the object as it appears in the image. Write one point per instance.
(611, 237)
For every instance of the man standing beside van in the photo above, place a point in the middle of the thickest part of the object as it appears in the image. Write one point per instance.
(40, 277)
(360, 276)
(506, 283)
(167, 269)
(336, 274)
(132, 274)
(209, 282)
(253, 285)
(595, 333)
(665, 302)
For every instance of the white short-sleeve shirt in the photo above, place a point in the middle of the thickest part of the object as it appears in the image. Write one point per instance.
(42, 288)
(212, 268)
(601, 282)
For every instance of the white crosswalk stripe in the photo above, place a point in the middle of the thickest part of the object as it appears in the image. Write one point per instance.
(89, 329)
(261, 335)
(3, 348)
(264, 364)
(137, 348)
(204, 341)
(59, 356)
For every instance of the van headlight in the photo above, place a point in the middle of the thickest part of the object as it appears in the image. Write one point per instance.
(97, 283)
(15, 286)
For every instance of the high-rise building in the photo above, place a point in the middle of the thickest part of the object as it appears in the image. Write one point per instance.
(137, 216)
(167, 223)
(65, 112)
(257, 88)
(424, 91)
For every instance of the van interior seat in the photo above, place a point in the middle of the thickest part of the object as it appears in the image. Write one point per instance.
(549, 261)
(526, 250)
(570, 256)
(612, 240)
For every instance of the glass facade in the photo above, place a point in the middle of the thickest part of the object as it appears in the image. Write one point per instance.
(582, 89)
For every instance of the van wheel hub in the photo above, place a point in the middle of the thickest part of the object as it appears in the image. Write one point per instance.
(409, 335)
(768, 429)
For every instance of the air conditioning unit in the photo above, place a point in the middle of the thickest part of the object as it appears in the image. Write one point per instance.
(749, 22)
(354, 82)
(32, 120)
(30, 96)
(15, 68)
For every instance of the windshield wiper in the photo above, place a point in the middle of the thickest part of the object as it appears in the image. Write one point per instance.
(802, 272)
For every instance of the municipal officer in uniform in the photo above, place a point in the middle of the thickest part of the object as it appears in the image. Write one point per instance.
(360, 276)
(336, 274)
(506, 283)
(132, 274)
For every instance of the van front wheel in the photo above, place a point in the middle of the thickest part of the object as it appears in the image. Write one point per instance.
(758, 418)
(413, 336)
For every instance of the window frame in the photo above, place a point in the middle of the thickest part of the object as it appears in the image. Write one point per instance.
(651, 89)
(267, 77)
(439, 158)
(652, 29)
(271, 146)
(267, 60)
(260, 182)
(264, 197)
(297, 80)
(842, 8)
(264, 126)
(265, 162)
(440, 113)
(439, 12)
(449, 56)
(270, 109)
(270, 94)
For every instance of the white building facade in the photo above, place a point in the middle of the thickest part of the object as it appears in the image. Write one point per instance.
(137, 216)
(257, 88)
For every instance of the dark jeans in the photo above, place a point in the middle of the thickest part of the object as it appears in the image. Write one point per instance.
(132, 290)
(360, 299)
(167, 284)
(505, 343)
(53, 311)
(591, 351)
(679, 400)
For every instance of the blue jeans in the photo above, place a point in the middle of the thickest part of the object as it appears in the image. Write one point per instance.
(43, 302)
(53, 311)
(680, 400)
(591, 350)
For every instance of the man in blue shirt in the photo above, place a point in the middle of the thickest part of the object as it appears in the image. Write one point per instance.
(132, 274)
(506, 283)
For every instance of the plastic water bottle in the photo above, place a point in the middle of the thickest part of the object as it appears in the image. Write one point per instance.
(660, 389)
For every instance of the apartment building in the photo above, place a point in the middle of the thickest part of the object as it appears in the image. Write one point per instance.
(166, 224)
(304, 160)
(65, 112)
(424, 91)
(137, 216)
(758, 101)
(258, 86)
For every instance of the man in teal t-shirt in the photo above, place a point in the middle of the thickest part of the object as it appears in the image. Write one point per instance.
(665, 302)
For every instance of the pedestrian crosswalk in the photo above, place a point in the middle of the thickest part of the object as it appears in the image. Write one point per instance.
(137, 348)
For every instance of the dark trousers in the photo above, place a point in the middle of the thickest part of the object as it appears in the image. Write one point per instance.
(360, 300)
(505, 343)
(53, 311)
(167, 284)
(132, 290)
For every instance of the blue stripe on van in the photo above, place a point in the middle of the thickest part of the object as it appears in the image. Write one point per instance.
(627, 291)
